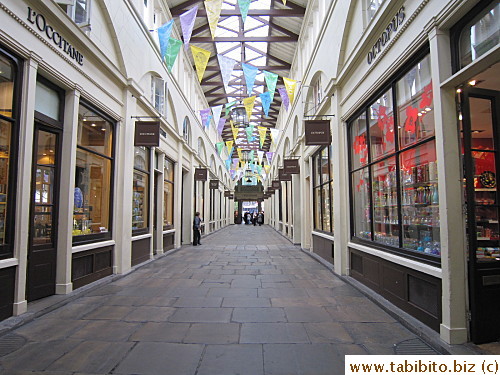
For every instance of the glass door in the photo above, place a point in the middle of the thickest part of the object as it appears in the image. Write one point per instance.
(481, 144)
(43, 237)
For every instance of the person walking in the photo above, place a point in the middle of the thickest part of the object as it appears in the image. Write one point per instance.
(260, 218)
(196, 229)
(254, 219)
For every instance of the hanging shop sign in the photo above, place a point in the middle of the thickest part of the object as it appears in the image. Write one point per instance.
(276, 184)
(200, 174)
(41, 24)
(213, 184)
(282, 176)
(385, 37)
(317, 132)
(291, 166)
(231, 196)
(147, 133)
(227, 194)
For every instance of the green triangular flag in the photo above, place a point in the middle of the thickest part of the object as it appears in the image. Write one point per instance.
(220, 147)
(174, 45)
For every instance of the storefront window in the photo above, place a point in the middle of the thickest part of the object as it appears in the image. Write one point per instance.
(323, 179)
(140, 194)
(168, 195)
(415, 104)
(199, 201)
(480, 35)
(94, 167)
(395, 197)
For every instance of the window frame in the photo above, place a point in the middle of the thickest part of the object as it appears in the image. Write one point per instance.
(389, 85)
(7, 249)
(456, 32)
(172, 184)
(320, 186)
(96, 237)
(137, 232)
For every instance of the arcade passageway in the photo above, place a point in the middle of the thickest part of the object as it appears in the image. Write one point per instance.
(245, 302)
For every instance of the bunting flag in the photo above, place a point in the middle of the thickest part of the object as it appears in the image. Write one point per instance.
(220, 147)
(236, 161)
(284, 97)
(271, 80)
(228, 106)
(249, 131)
(233, 173)
(240, 155)
(216, 112)
(220, 127)
(290, 85)
(250, 72)
(226, 69)
(228, 163)
(164, 32)
(200, 57)
(229, 145)
(284, 2)
(235, 131)
(269, 156)
(205, 117)
(265, 99)
(260, 155)
(187, 23)
(248, 103)
(213, 8)
(244, 5)
(267, 168)
(274, 134)
(173, 48)
(262, 133)
(259, 169)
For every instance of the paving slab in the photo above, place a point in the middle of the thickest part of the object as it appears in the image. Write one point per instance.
(232, 360)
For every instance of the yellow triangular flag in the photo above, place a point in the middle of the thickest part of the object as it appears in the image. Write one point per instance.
(267, 168)
(290, 85)
(235, 131)
(213, 8)
(262, 132)
(229, 145)
(238, 150)
(248, 103)
(200, 57)
(284, 2)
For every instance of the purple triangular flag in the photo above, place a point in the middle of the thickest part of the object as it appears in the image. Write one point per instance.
(220, 126)
(205, 116)
(269, 156)
(187, 23)
(284, 97)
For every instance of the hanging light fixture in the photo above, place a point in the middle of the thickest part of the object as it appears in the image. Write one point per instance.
(239, 116)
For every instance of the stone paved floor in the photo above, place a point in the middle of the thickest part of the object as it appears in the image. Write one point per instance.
(245, 302)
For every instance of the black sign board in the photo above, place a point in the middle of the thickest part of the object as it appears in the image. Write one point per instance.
(231, 196)
(291, 166)
(270, 191)
(276, 184)
(200, 174)
(213, 184)
(147, 133)
(317, 132)
(227, 193)
(282, 176)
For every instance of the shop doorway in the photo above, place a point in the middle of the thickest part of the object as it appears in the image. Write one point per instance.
(42, 253)
(480, 111)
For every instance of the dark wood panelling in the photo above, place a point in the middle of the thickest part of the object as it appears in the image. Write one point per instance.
(423, 294)
(414, 292)
(168, 241)
(140, 251)
(323, 247)
(7, 284)
(92, 265)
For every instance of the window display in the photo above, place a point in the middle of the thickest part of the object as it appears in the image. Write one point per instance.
(168, 195)
(140, 188)
(323, 190)
(5, 137)
(395, 185)
(94, 168)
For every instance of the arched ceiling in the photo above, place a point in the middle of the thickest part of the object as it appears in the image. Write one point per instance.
(267, 40)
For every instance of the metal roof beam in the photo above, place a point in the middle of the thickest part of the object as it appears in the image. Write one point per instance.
(268, 39)
(299, 12)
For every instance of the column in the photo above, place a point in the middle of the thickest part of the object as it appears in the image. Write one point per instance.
(340, 191)
(67, 195)
(453, 328)
(178, 198)
(24, 164)
(124, 166)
